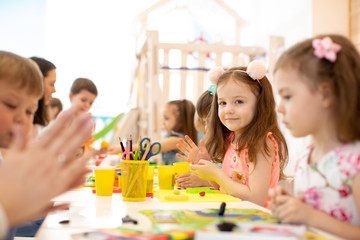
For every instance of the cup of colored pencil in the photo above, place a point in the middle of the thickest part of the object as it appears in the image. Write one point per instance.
(134, 179)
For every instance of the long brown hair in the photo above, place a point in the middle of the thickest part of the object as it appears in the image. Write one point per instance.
(41, 115)
(255, 133)
(185, 118)
(343, 76)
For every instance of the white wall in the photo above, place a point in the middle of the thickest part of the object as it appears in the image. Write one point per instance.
(94, 39)
(332, 19)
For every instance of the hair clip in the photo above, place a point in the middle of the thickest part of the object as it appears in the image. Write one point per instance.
(212, 89)
(326, 48)
(256, 71)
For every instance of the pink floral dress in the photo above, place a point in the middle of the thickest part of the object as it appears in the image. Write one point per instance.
(236, 166)
(326, 184)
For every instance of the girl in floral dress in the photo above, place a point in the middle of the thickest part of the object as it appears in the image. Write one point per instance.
(318, 81)
(242, 134)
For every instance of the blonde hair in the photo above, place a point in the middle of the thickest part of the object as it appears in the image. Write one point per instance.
(343, 76)
(22, 73)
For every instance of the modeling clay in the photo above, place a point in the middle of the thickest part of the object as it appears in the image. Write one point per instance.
(198, 190)
(176, 192)
(202, 194)
(176, 198)
(105, 144)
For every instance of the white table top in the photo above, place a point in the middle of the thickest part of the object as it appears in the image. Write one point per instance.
(89, 212)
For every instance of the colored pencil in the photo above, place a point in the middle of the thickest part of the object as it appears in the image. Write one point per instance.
(127, 150)
(143, 157)
(130, 143)
(122, 145)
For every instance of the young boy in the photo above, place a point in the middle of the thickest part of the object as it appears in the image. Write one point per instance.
(46, 160)
(82, 94)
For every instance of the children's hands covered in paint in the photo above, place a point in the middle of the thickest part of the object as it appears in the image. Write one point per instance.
(192, 152)
(206, 170)
(287, 208)
(34, 172)
(187, 180)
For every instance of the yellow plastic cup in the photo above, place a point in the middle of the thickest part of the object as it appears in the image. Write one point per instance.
(134, 179)
(150, 179)
(181, 168)
(166, 177)
(104, 180)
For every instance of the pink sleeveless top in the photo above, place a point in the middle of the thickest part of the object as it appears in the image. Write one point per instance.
(236, 166)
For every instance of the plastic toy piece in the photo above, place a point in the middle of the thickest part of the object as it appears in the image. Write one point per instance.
(226, 226)
(202, 194)
(115, 190)
(176, 192)
(198, 190)
(176, 198)
(104, 144)
(65, 221)
(128, 219)
(150, 195)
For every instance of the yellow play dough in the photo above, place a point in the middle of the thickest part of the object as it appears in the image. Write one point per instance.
(176, 198)
(104, 144)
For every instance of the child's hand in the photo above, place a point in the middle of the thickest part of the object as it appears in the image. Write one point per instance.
(193, 153)
(114, 150)
(187, 180)
(42, 169)
(289, 209)
(205, 170)
(278, 191)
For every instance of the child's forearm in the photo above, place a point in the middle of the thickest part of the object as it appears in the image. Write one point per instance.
(239, 190)
(213, 184)
(331, 225)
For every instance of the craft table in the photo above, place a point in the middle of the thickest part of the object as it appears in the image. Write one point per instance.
(88, 212)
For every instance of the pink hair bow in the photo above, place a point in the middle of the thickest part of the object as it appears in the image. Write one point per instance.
(326, 48)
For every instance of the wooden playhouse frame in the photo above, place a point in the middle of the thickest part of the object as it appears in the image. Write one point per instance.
(152, 82)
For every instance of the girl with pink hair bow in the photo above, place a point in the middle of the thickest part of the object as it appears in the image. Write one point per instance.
(318, 81)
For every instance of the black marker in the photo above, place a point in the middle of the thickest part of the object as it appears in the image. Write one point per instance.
(222, 209)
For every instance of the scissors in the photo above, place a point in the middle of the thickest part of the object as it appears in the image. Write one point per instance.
(144, 143)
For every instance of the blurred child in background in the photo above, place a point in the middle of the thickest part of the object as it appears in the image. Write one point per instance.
(178, 121)
(54, 108)
(82, 95)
